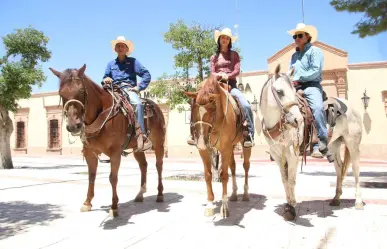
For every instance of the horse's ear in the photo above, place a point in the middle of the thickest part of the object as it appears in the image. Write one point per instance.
(277, 70)
(81, 71)
(58, 74)
(214, 96)
(290, 72)
(191, 95)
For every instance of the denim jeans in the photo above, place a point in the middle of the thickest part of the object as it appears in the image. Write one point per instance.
(135, 100)
(247, 109)
(313, 94)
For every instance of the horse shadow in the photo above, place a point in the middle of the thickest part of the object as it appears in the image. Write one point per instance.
(128, 209)
(318, 208)
(238, 209)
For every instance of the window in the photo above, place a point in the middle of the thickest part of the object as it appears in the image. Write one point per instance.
(53, 130)
(384, 98)
(20, 135)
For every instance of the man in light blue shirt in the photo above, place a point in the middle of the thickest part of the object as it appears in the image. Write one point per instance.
(308, 62)
(123, 71)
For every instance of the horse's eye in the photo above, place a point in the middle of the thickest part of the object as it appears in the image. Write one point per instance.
(280, 93)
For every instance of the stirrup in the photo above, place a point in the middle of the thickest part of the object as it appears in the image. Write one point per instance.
(145, 145)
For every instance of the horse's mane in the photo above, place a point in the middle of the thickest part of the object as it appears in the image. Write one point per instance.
(210, 86)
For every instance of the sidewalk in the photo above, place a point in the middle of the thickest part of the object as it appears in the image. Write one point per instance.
(41, 197)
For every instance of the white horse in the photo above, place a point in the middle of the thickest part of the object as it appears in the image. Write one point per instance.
(283, 126)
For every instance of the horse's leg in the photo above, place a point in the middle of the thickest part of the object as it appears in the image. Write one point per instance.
(159, 151)
(292, 164)
(206, 158)
(92, 164)
(354, 152)
(246, 166)
(142, 163)
(284, 175)
(115, 161)
(234, 195)
(334, 148)
(226, 161)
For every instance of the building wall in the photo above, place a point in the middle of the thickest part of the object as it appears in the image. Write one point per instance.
(339, 79)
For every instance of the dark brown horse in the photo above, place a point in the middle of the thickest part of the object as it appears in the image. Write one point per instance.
(106, 127)
(218, 122)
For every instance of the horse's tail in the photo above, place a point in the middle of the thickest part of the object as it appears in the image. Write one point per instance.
(347, 158)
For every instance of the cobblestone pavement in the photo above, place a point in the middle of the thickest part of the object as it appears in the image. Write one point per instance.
(40, 201)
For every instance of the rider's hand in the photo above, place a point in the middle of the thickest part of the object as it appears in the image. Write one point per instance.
(224, 76)
(107, 80)
(136, 89)
(218, 76)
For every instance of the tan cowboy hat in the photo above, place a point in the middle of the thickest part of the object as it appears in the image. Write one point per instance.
(225, 31)
(121, 39)
(301, 27)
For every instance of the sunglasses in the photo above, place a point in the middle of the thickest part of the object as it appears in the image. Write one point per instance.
(298, 35)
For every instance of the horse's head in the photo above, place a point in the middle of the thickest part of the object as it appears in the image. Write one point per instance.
(73, 92)
(282, 97)
(204, 111)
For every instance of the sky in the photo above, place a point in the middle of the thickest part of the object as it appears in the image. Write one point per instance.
(80, 31)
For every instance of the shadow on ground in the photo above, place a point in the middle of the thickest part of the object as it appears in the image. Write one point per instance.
(19, 215)
(128, 209)
(239, 208)
(319, 208)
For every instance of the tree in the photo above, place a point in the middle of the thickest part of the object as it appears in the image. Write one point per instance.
(19, 71)
(195, 45)
(375, 12)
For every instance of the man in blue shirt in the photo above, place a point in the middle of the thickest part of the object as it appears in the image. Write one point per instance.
(123, 71)
(308, 62)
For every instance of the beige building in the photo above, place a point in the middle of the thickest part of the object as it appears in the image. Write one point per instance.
(39, 129)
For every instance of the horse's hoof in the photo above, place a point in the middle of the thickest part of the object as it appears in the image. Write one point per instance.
(160, 198)
(139, 198)
(359, 206)
(335, 203)
(246, 197)
(113, 212)
(233, 197)
(289, 213)
(209, 211)
(86, 208)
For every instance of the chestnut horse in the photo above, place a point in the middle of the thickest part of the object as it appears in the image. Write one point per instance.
(104, 127)
(218, 123)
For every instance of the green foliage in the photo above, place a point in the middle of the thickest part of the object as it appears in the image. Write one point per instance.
(19, 67)
(195, 45)
(375, 15)
(171, 88)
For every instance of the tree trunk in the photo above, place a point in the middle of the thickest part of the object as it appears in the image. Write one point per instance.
(200, 69)
(6, 129)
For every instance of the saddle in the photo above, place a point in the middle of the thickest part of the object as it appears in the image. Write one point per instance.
(333, 108)
(241, 123)
(121, 104)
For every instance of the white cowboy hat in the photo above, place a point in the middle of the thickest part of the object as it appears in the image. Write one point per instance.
(301, 27)
(121, 39)
(225, 31)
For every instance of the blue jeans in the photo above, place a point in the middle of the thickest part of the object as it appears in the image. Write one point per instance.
(135, 100)
(247, 109)
(313, 95)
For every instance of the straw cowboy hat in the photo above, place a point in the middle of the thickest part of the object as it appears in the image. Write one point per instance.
(301, 27)
(121, 39)
(225, 31)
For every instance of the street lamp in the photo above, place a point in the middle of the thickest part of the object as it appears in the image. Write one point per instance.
(254, 105)
(365, 99)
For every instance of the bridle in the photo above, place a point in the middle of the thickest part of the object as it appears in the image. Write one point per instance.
(212, 121)
(280, 126)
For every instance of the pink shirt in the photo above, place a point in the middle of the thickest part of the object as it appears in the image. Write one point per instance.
(226, 63)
